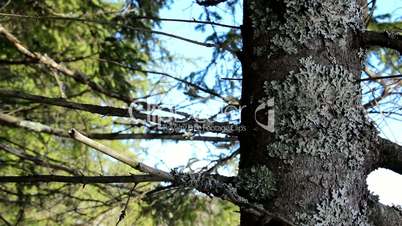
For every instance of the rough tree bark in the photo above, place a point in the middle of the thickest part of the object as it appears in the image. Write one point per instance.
(307, 56)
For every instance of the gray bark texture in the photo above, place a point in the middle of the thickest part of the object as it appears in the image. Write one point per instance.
(306, 56)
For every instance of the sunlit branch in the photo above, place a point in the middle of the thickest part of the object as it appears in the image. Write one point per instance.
(29, 125)
(80, 179)
(116, 155)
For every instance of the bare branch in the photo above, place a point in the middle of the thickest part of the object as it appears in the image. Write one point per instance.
(232, 79)
(387, 113)
(382, 39)
(374, 102)
(222, 161)
(382, 77)
(391, 155)
(80, 179)
(386, 88)
(116, 155)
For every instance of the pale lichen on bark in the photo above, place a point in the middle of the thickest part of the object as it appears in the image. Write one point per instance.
(301, 22)
(336, 209)
(318, 112)
(318, 107)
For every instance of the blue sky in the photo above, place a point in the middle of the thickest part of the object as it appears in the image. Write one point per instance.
(385, 183)
(391, 129)
(190, 57)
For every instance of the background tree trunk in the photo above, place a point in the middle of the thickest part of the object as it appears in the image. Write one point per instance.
(308, 55)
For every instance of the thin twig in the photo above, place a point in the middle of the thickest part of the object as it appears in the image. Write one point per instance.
(222, 161)
(123, 212)
(60, 84)
(205, 90)
(235, 79)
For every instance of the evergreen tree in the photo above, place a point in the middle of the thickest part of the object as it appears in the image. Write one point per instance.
(74, 75)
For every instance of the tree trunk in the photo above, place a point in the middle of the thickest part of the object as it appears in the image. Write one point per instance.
(304, 58)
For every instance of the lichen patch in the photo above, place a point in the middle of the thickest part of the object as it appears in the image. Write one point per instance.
(318, 112)
(298, 22)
